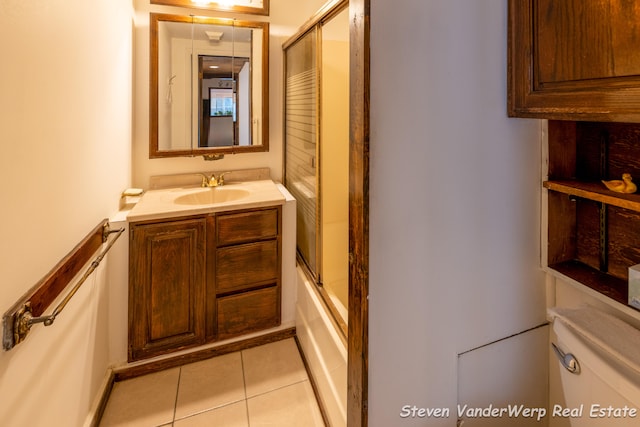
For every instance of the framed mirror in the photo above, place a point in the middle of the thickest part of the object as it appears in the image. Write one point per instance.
(208, 86)
(257, 7)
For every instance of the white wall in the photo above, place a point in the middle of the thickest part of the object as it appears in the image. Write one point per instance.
(65, 156)
(454, 202)
(285, 18)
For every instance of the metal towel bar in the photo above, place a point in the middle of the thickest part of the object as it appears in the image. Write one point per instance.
(48, 320)
(18, 324)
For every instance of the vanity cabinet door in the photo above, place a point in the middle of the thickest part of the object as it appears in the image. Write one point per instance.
(574, 60)
(167, 287)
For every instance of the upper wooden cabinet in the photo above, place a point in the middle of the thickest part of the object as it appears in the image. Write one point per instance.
(574, 60)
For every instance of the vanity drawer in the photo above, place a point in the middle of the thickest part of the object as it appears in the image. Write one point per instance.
(248, 312)
(246, 226)
(241, 266)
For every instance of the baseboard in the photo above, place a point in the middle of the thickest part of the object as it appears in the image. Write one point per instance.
(171, 361)
(100, 403)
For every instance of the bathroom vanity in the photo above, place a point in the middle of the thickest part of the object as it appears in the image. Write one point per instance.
(205, 266)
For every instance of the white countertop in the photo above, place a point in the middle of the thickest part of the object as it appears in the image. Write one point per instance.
(160, 204)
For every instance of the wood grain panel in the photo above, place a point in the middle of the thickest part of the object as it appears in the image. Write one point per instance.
(574, 60)
(244, 266)
(561, 229)
(358, 334)
(246, 226)
(570, 35)
(248, 312)
(47, 289)
(588, 233)
(624, 241)
(167, 287)
(562, 149)
(170, 309)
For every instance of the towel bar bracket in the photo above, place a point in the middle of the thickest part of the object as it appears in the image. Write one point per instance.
(25, 320)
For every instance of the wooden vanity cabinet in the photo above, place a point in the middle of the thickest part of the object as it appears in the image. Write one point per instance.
(593, 233)
(202, 279)
(574, 60)
(167, 286)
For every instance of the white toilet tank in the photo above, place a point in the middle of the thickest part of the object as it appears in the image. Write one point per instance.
(604, 353)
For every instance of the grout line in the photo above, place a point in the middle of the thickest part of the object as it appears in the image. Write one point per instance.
(204, 411)
(244, 384)
(279, 388)
(175, 404)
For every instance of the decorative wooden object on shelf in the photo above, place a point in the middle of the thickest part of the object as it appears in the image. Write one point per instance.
(624, 185)
(593, 232)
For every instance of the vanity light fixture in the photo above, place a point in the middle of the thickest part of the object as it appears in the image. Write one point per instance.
(214, 36)
(225, 3)
(255, 7)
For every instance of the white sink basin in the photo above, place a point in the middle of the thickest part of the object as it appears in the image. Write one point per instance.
(211, 196)
(172, 202)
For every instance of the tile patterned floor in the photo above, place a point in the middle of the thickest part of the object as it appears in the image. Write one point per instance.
(261, 386)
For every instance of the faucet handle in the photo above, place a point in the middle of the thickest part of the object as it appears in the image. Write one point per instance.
(221, 178)
(205, 180)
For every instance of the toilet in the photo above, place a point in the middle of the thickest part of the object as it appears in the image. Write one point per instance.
(600, 384)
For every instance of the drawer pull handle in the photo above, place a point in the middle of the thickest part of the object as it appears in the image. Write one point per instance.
(567, 360)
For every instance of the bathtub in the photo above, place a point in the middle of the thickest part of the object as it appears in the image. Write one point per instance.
(324, 350)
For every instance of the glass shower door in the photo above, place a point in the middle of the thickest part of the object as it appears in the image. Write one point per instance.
(301, 136)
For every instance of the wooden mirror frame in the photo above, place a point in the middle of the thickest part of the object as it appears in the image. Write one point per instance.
(264, 10)
(154, 151)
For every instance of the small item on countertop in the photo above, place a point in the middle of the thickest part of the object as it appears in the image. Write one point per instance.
(132, 192)
(634, 286)
(130, 197)
(624, 185)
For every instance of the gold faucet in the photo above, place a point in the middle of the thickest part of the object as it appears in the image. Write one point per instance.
(212, 181)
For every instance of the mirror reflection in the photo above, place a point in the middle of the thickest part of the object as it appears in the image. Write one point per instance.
(224, 100)
(209, 86)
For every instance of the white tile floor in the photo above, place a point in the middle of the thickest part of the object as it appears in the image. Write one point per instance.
(261, 386)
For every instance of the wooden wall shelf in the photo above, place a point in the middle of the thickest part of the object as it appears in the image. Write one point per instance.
(593, 233)
(603, 283)
(595, 191)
